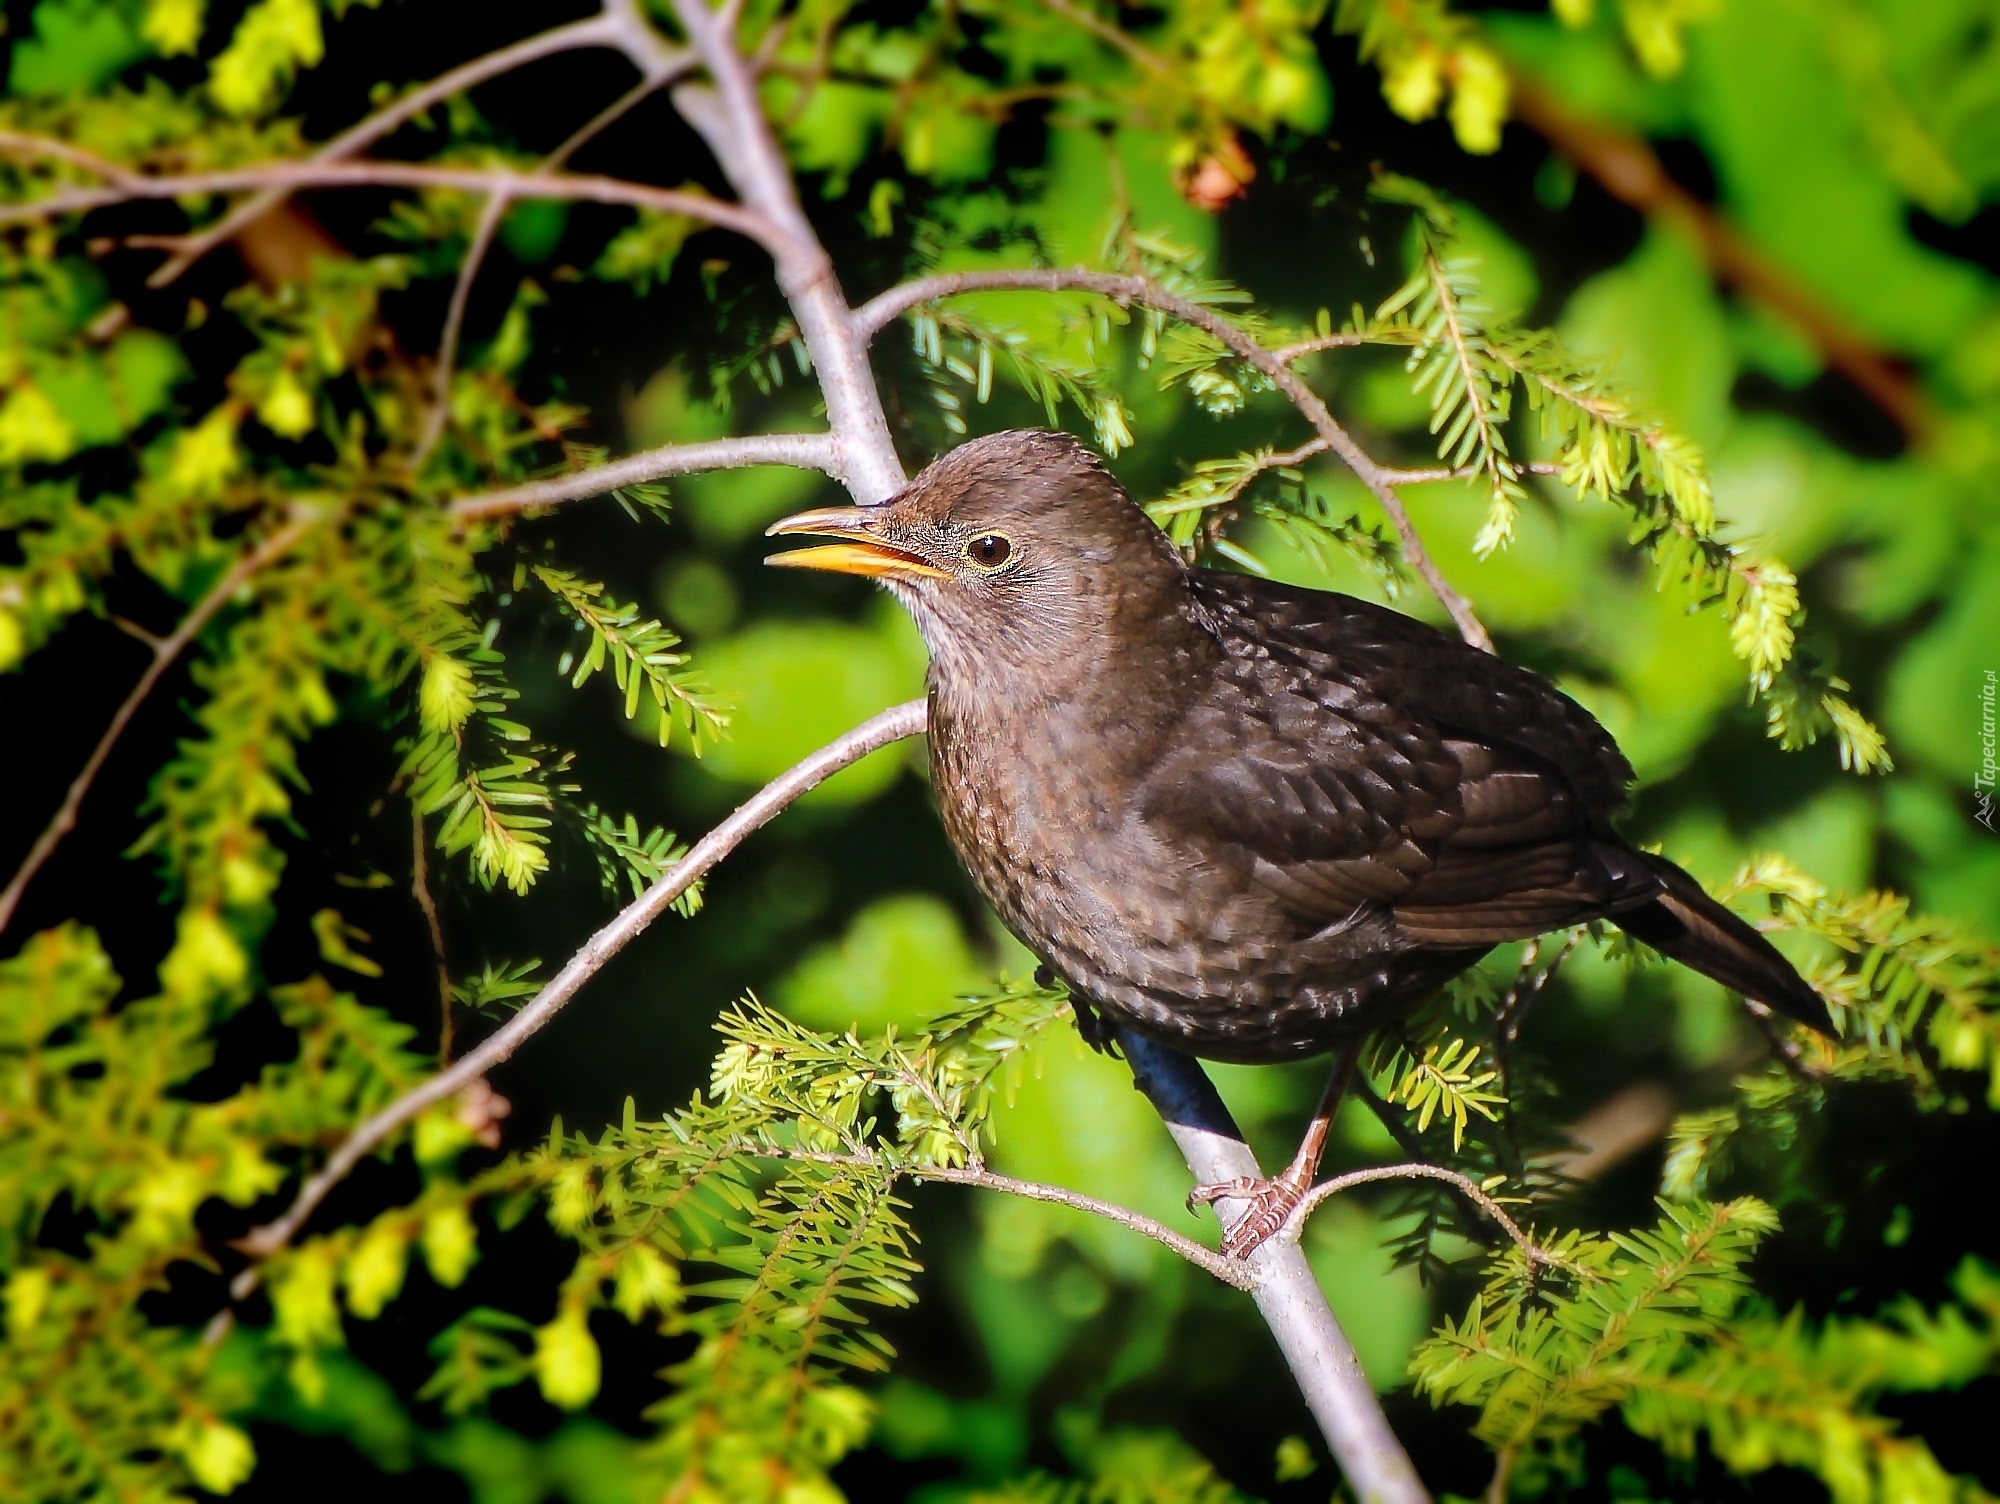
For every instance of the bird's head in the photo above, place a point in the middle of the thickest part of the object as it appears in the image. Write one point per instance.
(1019, 547)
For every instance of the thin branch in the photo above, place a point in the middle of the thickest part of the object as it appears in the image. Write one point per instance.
(891, 725)
(1465, 1185)
(165, 651)
(807, 451)
(1292, 353)
(879, 310)
(612, 27)
(1233, 1272)
(1105, 32)
(1287, 1294)
(731, 120)
(515, 184)
(420, 889)
(1462, 472)
(482, 241)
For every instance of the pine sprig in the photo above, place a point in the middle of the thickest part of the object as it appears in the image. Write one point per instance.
(644, 656)
(1441, 312)
(1538, 1360)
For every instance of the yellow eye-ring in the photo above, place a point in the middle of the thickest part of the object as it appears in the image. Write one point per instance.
(989, 550)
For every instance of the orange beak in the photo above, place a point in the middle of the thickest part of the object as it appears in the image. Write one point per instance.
(864, 554)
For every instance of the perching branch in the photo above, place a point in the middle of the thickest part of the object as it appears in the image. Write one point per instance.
(1465, 1185)
(808, 451)
(871, 316)
(879, 731)
(1288, 1297)
(166, 651)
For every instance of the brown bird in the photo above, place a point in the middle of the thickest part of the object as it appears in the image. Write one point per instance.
(1248, 819)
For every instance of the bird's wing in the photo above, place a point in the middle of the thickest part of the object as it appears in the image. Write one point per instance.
(1333, 765)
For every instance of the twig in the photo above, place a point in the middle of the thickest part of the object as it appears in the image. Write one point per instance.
(879, 731)
(475, 256)
(1230, 1271)
(1298, 351)
(1105, 32)
(808, 451)
(612, 27)
(584, 187)
(420, 888)
(879, 310)
(165, 651)
(1462, 472)
(1288, 1297)
(1464, 1184)
(732, 122)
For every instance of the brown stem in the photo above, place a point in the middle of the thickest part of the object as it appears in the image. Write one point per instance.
(808, 451)
(1626, 168)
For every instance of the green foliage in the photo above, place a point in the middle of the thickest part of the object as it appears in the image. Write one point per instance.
(270, 463)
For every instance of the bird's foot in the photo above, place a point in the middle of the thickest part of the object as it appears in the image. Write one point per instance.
(1097, 1030)
(1270, 1204)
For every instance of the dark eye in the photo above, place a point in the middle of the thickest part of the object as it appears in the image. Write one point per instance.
(989, 550)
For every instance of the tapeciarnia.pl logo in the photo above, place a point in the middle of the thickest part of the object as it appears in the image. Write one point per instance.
(1982, 781)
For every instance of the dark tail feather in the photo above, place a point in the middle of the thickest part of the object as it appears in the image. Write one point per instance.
(1695, 930)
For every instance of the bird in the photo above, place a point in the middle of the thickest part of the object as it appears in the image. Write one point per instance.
(1251, 820)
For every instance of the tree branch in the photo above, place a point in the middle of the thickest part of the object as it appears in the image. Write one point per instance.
(288, 175)
(808, 451)
(617, 25)
(1287, 1295)
(1465, 1185)
(879, 310)
(732, 122)
(165, 651)
(877, 732)
(1232, 1272)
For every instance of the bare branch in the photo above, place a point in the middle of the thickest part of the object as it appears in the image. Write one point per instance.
(420, 889)
(1292, 353)
(616, 26)
(879, 310)
(1230, 1271)
(513, 184)
(890, 726)
(1465, 1185)
(730, 119)
(165, 651)
(808, 451)
(1287, 1295)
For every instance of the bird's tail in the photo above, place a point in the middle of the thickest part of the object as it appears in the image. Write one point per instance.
(1695, 930)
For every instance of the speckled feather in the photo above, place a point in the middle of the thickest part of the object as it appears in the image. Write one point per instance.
(1247, 817)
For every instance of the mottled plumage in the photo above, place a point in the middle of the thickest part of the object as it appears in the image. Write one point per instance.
(1247, 818)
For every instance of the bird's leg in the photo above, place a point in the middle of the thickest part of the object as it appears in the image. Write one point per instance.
(1098, 1031)
(1272, 1201)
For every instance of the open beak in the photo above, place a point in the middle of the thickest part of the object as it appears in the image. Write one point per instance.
(863, 554)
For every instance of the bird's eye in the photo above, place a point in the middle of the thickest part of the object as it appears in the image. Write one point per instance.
(989, 550)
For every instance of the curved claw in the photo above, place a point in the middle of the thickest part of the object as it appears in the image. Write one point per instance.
(1270, 1203)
